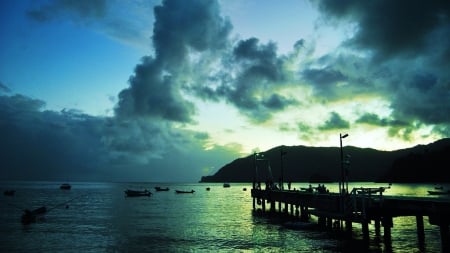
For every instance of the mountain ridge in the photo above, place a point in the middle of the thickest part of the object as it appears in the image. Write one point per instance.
(420, 163)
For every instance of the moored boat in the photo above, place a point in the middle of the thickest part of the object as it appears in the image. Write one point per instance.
(159, 189)
(439, 192)
(9, 192)
(65, 186)
(137, 193)
(31, 216)
(179, 191)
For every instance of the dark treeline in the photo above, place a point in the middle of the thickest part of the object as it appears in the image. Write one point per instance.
(422, 163)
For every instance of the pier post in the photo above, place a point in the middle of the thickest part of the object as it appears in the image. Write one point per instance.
(365, 229)
(377, 229)
(329, 223)
(303, 213)
(387, 225)
(445, 245)
(348, 227)
(420, 230)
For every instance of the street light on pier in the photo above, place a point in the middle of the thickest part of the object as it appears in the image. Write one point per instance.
(341, 182)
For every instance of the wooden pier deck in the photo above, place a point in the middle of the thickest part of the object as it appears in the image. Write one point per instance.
(361, 205)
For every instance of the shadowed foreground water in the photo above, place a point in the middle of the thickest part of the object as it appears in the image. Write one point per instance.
(99, 218)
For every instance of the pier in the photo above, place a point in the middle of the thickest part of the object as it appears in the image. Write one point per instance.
(361, 205)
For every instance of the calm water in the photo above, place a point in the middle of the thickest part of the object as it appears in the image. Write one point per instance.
(99, 218)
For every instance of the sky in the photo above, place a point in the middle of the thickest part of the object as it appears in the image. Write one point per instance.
(172, 90)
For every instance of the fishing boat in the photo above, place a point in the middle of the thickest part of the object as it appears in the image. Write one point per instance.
(159, 189)
(137, 193)
(31, 216)
(65, 186)
(179, 191)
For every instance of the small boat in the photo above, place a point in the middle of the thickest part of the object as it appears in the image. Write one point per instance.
(226, 185)
(31, 216)
(179, 191)
(137, 193)
(159, 189)
(65, 186)
(439, 192)
(9, 192)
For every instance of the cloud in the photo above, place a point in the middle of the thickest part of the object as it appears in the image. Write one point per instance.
(251, 79)
(181, 29)
(405, 28)
(4, 88)
(81, 10)
(409, 44)
(69, 145)
(335, 121)
(106, 17)
(400, 57)
(46, 145)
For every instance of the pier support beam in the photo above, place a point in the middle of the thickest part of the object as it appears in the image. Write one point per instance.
(365, 230)
(445, 244)
(304, 213)
(329, 223)
(420, 230)
(387, 223)
(348, 227)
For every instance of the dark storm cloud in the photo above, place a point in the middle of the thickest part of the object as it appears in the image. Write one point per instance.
(181, 28)
(45, 145)
(423, 97)
(104, 16)
(252, 77)
(153, 94)
(335, 122)
(325, 76)
(395, 28)
(409, 41)
(375, 120)
(69, 145)
(80, 9)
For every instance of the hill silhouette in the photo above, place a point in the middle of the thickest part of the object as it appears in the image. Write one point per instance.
(421, 163)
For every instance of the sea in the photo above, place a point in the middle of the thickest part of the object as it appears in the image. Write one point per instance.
(98, 217)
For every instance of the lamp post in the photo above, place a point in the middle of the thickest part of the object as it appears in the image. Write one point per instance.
(282, 153)
(341, 182)
(347, 167)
